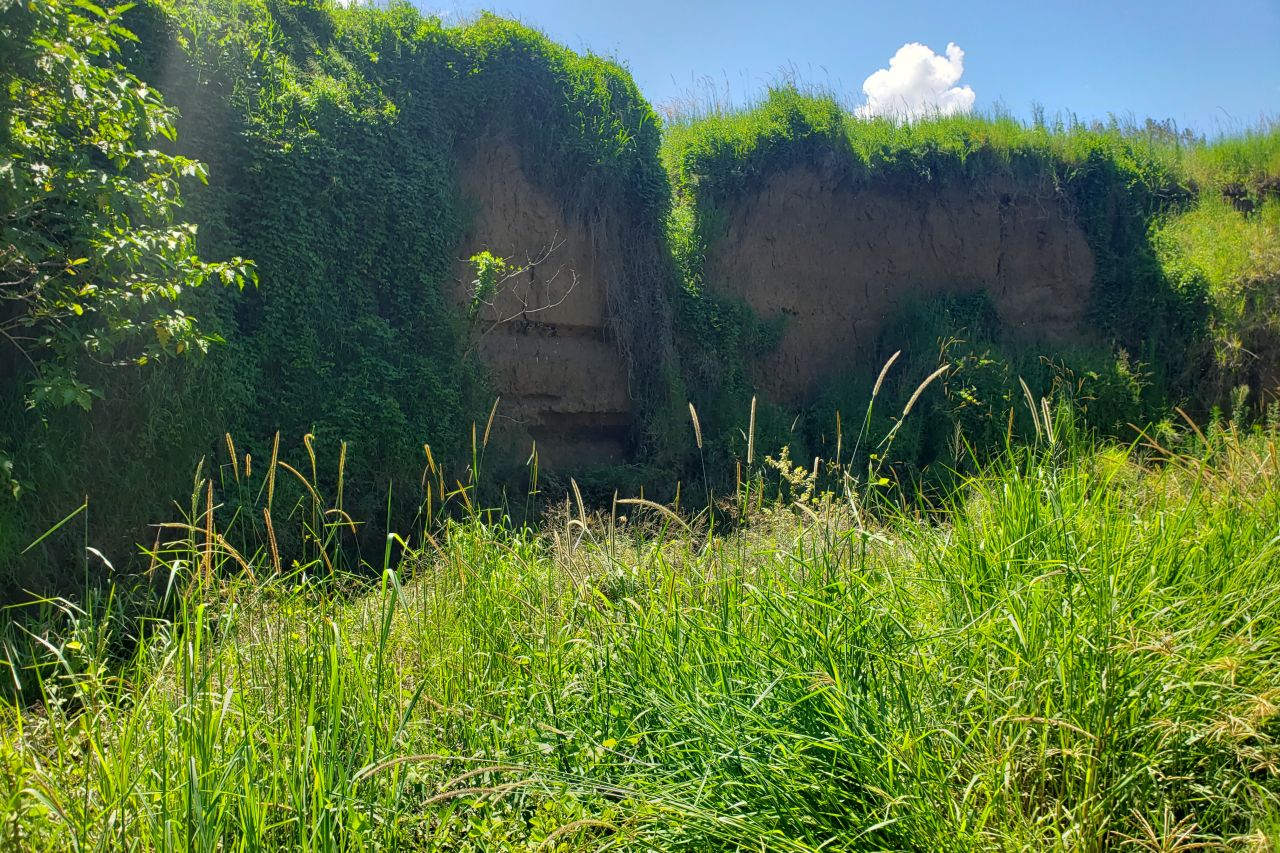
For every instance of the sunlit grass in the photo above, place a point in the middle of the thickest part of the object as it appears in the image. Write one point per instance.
(1236, 252)
(1249, 159)
(709, 137)
(1077, 650)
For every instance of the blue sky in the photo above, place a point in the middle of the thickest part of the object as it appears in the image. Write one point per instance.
(1208, 65)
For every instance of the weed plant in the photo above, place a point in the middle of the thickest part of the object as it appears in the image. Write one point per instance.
(1075, 650)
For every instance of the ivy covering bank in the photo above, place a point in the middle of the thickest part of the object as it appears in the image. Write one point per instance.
(331, 138)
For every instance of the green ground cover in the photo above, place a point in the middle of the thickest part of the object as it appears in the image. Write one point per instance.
(1075, 650)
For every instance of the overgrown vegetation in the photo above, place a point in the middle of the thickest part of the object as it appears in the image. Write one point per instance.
(94, 269)
(1020, 601)
(92, 263)
(1182, 231)
(315, 123)
(1228, 243)
(1075, 650)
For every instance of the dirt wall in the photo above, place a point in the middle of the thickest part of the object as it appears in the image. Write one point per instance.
(836, 259)
(544, 336)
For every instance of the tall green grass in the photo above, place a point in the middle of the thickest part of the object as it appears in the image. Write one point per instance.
(1245, 163)
(1228, 242)
(717, 150)
(1075, 650)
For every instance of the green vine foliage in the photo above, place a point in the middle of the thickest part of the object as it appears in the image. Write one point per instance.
(98, 277)
(332, 138)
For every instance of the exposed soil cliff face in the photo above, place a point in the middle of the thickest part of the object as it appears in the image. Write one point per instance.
(837, 259)
(544, 336)
(833, 258)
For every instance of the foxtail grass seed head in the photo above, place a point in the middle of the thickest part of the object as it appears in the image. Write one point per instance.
(488, 427)
(751, 434)
(231, 451)
(666, 511)
(577, 496)
(154, 557)
(923, 385)
(697, 427)
(552, 841)
(342, 469)
(208, 533)
(271, 470)
(309, 441)
(884, 371)
(271, 539)
(1031, 406)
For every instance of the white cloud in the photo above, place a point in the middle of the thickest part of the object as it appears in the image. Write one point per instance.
(918, 82)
